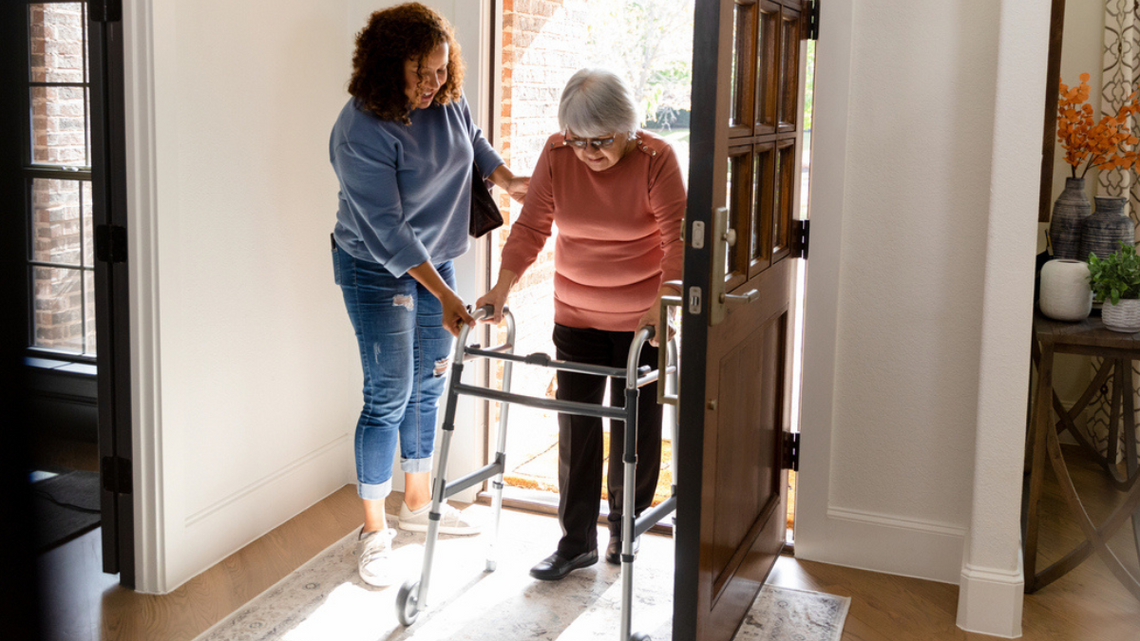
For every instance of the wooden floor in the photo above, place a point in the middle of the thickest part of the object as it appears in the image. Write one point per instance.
(82, 604)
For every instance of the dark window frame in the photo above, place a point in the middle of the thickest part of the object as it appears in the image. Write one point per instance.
(31, 170)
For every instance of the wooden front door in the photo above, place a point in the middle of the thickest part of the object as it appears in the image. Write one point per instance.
(741, 241)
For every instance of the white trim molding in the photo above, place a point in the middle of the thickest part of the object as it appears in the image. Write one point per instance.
(142, 204)
(893, 544)
(989, 601)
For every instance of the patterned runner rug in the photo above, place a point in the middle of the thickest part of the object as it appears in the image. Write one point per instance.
(325, 599)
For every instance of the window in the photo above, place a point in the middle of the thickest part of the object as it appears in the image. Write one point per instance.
(57, 177)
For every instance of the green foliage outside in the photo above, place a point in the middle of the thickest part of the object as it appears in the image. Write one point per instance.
(650, 44)
(1117, 276)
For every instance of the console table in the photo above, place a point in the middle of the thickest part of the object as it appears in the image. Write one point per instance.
(1088, 337)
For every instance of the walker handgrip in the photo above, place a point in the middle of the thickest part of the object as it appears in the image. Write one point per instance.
(538, 358)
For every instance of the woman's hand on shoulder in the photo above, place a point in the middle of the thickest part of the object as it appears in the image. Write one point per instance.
(517, 187)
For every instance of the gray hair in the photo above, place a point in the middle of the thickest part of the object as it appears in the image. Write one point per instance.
(597, 102)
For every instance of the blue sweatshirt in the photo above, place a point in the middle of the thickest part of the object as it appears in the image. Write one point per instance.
(405, 190)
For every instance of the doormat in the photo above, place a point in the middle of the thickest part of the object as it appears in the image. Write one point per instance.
(325, 599)
(63, 507)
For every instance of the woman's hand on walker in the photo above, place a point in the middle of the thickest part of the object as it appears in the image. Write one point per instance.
(455, 314)
(496, 297)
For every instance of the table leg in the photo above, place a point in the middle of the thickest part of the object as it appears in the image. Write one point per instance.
(1130, 461)
(1042, 423)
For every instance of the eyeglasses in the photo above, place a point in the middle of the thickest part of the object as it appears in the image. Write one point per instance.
(582, 143)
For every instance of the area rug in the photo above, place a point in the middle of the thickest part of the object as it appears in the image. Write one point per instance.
(324, 599)
(63, 507)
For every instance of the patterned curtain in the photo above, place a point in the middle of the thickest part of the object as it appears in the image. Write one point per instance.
(1120, 78)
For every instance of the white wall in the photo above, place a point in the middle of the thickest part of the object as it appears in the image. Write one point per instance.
(247, 378)
(908, 106)
(911, 218)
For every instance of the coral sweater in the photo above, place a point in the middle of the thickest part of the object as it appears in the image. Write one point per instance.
(618, 231)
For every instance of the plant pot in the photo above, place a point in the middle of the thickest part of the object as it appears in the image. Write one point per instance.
(1065, 291)
(1069, 214)
(1123, 316)
(1106, 228)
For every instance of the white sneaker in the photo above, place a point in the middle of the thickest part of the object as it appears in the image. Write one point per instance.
(374, 558)
(451, 522)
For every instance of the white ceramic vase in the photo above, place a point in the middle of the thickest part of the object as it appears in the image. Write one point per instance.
(1065, 291)
(1123, 316)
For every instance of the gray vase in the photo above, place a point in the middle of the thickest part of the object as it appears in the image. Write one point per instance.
(1069, 214)
(1106, 228)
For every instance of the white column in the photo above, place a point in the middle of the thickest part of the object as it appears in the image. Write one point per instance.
(990, 593)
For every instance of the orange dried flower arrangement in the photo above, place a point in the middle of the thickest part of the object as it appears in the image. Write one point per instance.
(1108, 144)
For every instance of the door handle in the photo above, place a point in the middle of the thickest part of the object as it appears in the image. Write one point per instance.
(747, 297)
(667, 357)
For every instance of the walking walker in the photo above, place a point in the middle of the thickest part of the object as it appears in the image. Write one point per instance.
(412, 597)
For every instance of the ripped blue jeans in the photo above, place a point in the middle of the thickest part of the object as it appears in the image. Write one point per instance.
(405, 352)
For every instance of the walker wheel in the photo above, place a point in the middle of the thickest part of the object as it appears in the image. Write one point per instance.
(640, 636)
(406, 606)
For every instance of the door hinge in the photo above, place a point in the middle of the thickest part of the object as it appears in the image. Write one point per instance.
(105, 10)
(801, 232)
(812, 13)
(791, 451)
(115, 472)
(111, 243)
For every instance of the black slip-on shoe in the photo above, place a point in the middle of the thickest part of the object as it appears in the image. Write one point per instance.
(556, 566)
(613, 550)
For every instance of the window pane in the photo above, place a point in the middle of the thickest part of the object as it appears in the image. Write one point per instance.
(58, 322)
(56, 218)
(59, 134)
(88, 224)
(89, 310)
(58, 41)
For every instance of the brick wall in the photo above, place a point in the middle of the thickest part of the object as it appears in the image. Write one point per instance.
(61, 209)
(543, 45)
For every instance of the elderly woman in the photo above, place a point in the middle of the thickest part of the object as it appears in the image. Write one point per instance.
(618, 199)
(402, 149)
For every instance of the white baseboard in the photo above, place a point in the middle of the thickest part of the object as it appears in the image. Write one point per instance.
(889, 544)
(210, 535)
(989, 601)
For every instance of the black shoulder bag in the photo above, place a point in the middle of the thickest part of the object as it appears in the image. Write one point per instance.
(485, 214)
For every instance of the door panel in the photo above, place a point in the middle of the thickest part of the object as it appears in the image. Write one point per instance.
(738, 313)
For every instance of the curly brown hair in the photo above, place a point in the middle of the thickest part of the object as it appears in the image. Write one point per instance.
(392, 36)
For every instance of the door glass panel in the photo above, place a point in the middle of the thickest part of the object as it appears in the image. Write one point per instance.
(57, 216)
(59, 42)
(766, 69)
(765, 195)
(730, 253)
(786, 180)
(742, 58)
(739, 208)
(789, 71)
(58, 315)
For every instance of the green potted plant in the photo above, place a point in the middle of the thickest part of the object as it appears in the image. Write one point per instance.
(1116, 281)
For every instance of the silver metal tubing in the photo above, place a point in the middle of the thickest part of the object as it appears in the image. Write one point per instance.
(478, 476)
(500, 446)
(545, 360)
(631, 369)
(440, 485)
(629, 461)
(567, 407)
(652, 517)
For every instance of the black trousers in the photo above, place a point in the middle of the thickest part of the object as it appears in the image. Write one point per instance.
(580, 437)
